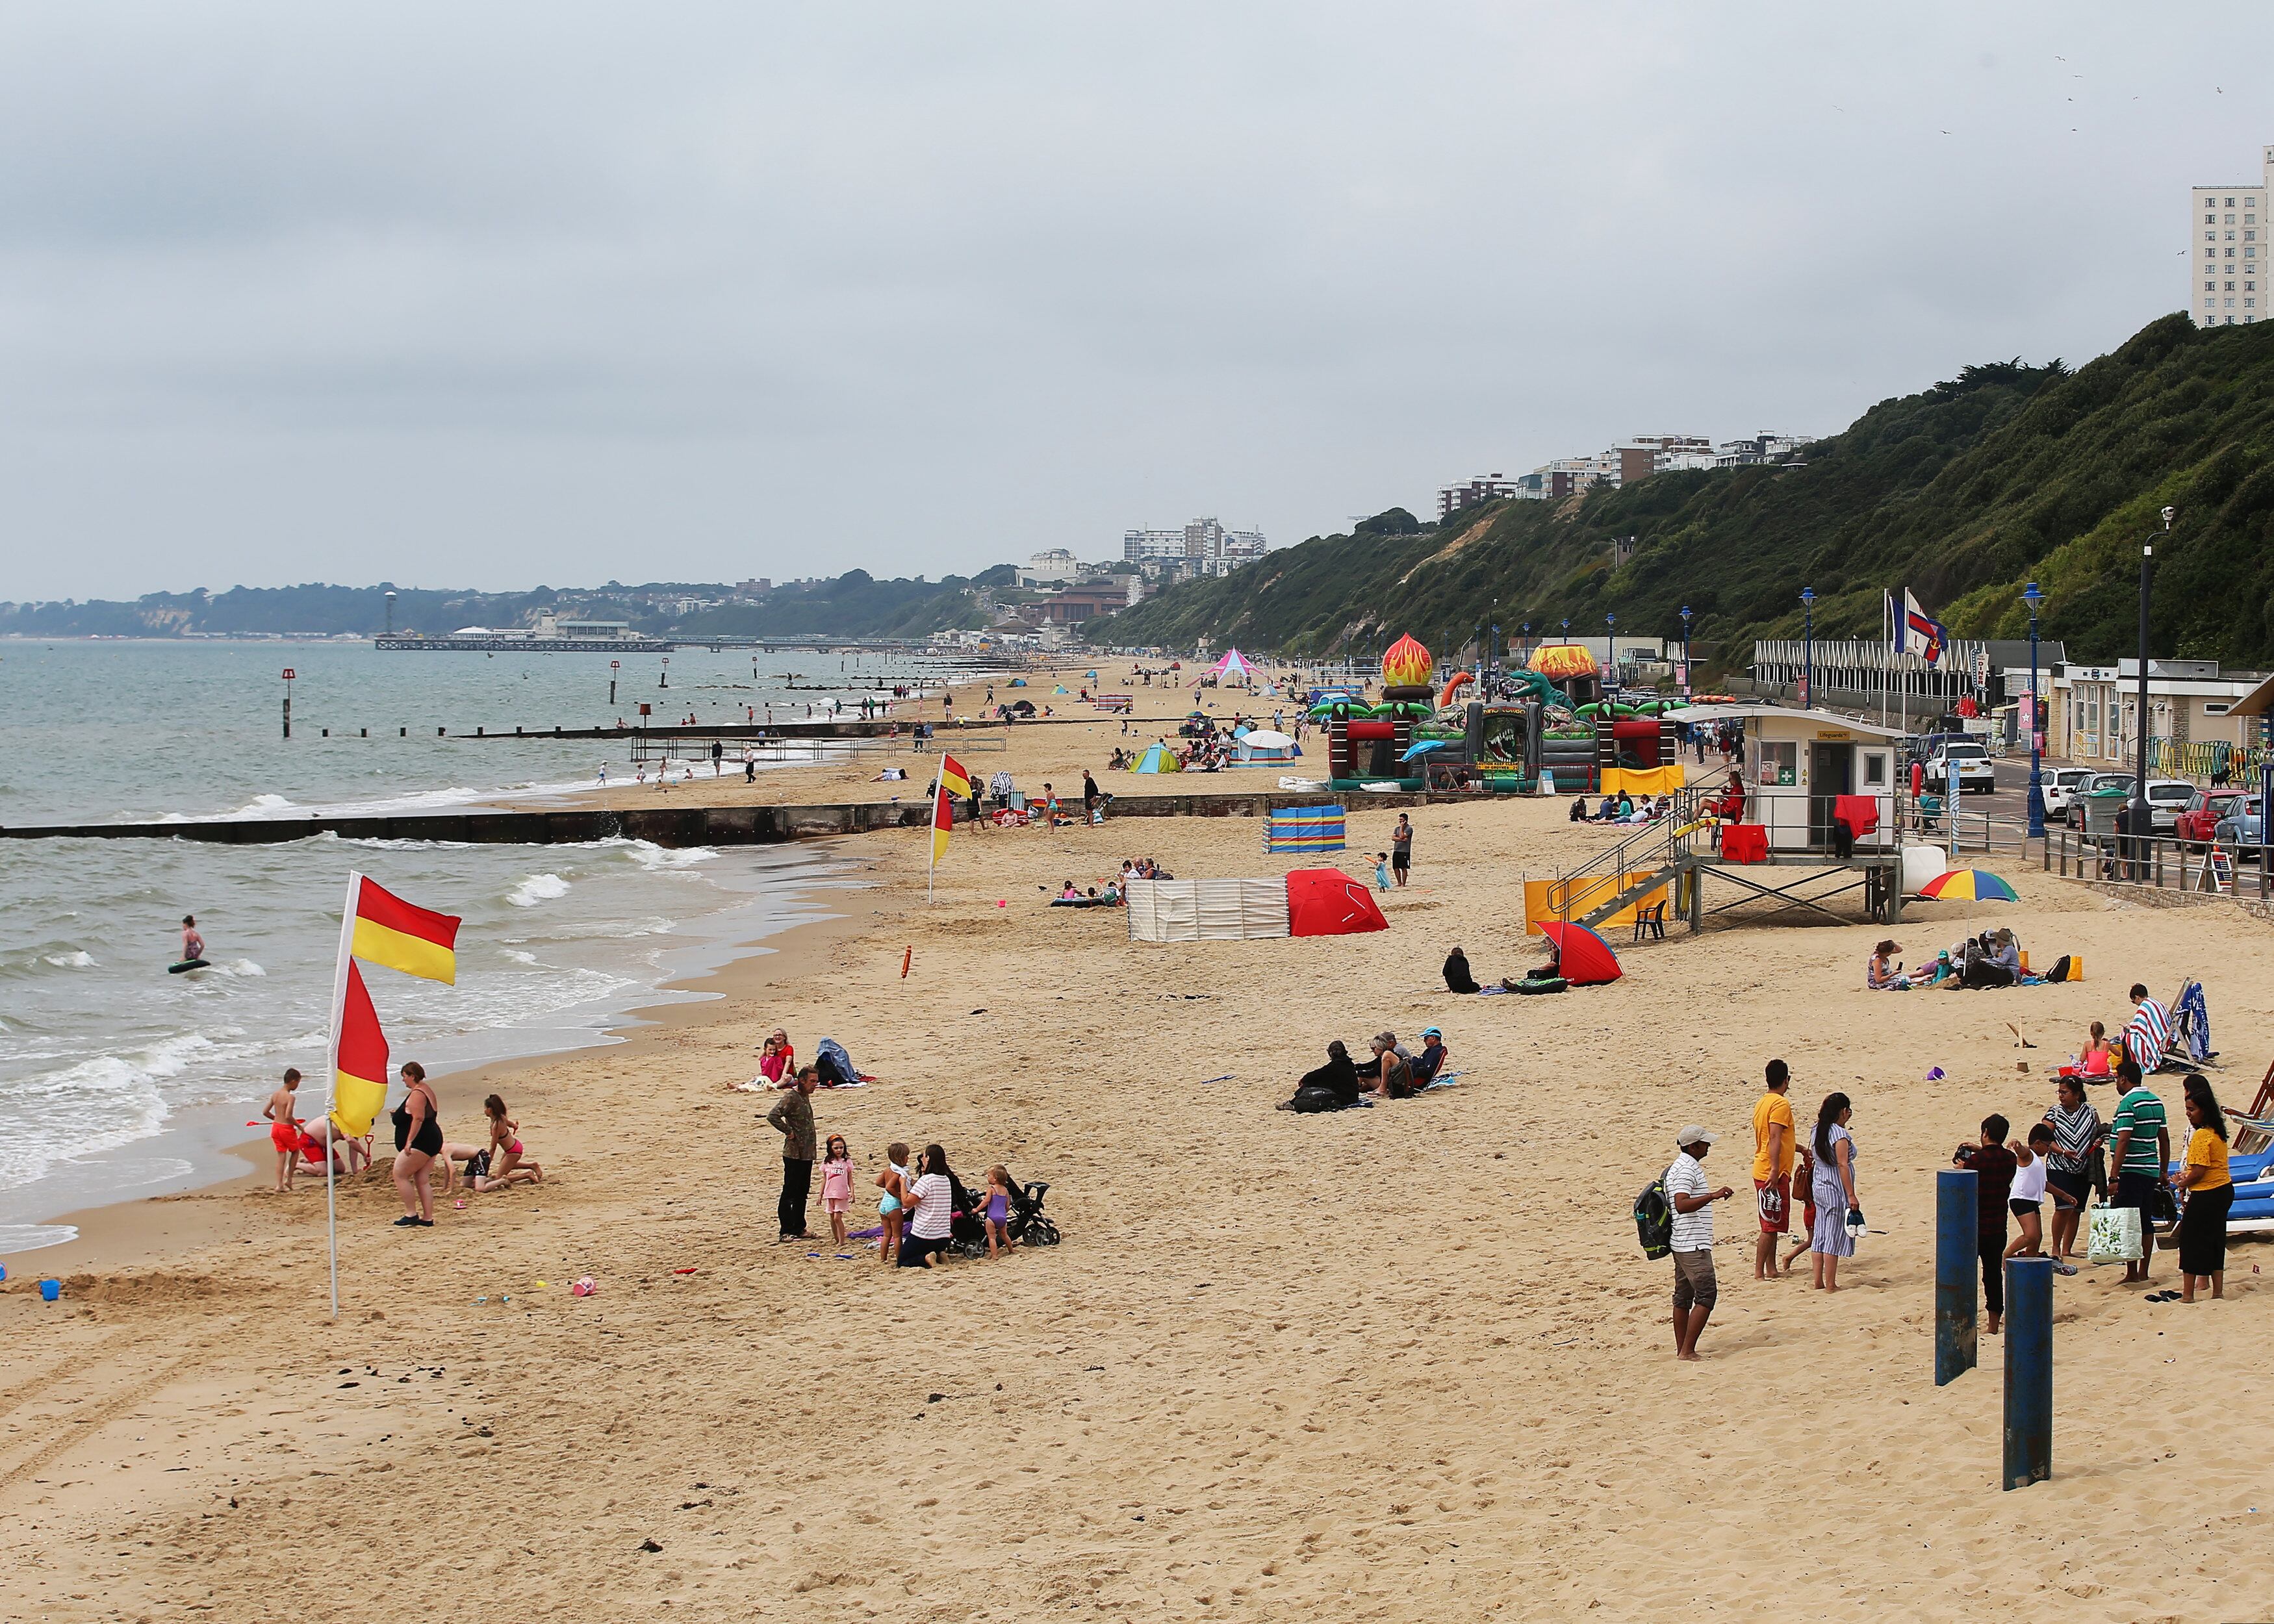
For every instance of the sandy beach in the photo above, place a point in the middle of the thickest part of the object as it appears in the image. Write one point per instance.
(1388, 1363)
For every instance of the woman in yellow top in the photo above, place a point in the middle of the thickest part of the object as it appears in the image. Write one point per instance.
(2209, 1193)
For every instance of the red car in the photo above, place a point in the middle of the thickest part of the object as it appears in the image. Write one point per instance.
(2198, 818)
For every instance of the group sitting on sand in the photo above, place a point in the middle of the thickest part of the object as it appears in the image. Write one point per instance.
(1391, 1073)
(1992, 959)
(1621, 809)
(420, 1149)
(1547, 977)
(778, 1067)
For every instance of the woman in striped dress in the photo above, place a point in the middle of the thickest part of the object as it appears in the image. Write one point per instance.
(2077, 1132)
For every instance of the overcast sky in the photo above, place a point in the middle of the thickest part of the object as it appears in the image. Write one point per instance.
(486, 296)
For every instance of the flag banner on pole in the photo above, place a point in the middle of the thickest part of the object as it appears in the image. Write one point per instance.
(414, 940)
(943, 819)
(953, 779)
(1922, 629)
(359, 1076)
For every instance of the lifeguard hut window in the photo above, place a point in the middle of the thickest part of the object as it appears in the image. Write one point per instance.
(1875, 770)
(1777, 761)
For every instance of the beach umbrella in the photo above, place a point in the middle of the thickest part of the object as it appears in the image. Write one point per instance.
(1267, 739)
(1584, 960)
(1423, 746)
(1969, 885)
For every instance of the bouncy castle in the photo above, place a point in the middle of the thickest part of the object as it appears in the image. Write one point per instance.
(1372, 745)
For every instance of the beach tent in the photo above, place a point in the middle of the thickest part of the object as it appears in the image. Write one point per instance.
(1158, 758)
(1327, 902)
(1206, 910)
(1233, 664)
(1263, 744)
(1584, 959)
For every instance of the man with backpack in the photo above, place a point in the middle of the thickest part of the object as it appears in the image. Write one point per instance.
(1695, 1291)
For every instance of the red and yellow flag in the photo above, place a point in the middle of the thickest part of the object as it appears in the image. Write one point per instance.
(392, 932)
(953, 779)
(360, 1080)
(943, 819)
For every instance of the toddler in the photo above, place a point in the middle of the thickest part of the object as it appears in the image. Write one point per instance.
(837, 1185)
(1381, 870)
(998, 1213)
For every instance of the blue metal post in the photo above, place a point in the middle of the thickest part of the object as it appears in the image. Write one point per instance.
(2028, 1372)
(1808, 669)
(1956, 1293)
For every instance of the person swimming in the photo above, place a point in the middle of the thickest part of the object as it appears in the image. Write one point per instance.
(193, 945)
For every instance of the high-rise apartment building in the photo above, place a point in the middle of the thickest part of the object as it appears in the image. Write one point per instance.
(1203, 547)
(2224, 286)
(1484, 488)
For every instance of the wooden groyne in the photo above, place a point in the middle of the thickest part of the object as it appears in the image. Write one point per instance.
(680, 824)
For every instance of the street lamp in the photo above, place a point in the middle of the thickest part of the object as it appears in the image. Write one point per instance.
(1685, 649)
(2140, 824)
(2032, 597)
(1808, 647)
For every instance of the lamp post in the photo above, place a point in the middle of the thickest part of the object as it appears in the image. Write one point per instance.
(1685, 651)
(2140, 815)
(1808, 648)
(1611, 648)
(2033, 596)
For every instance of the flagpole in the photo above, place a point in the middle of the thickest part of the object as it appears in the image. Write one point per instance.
(931, 828)
(332, 1079)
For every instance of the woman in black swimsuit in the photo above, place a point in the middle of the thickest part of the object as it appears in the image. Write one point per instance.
(417, 1141)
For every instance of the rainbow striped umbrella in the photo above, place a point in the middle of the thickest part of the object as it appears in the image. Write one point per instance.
(1969, 885)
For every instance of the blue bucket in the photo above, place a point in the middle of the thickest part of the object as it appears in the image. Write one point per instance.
(50, 1289)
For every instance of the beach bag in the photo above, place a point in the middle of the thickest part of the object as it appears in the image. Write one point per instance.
(1314, 1099)
(2115, 1235)
(1654, 1216)
(2163, 1205)
(2060, 972)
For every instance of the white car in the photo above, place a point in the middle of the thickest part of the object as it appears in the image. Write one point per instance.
(1975, 775)
(2167, 798)
(2061, 784)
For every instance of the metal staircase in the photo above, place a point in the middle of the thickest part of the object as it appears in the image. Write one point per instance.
(1660, 851)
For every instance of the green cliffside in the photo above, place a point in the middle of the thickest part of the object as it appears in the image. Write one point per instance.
(1963, 491)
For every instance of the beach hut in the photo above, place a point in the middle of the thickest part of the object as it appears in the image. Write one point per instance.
(1807, 771)
(1158, 758)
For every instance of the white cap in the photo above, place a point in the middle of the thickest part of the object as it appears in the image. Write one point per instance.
(1693, 1135)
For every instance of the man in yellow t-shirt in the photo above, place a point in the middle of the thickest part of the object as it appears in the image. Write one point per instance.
(1773, 1154)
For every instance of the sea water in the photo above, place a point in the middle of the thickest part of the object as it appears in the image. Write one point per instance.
(118, 1078)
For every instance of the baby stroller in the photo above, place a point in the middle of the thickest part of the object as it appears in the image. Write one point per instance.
(1026, 1225)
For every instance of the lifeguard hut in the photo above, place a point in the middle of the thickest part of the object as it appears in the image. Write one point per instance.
(1820, 800)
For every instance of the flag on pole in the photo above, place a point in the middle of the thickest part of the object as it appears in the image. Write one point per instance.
(359, 1068)
(392, 932)
(953, 779)
(943, 819)
(1922, 629)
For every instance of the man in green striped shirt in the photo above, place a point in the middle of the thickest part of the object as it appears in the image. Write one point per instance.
(2140, 1150)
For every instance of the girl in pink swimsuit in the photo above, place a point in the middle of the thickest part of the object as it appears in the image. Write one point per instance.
(505, 1146)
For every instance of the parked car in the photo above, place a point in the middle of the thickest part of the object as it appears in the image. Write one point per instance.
(1975, 774)
(2167, 799)
(2199, 819)
(2061, 784)
(2099, 783)
(2239, 829)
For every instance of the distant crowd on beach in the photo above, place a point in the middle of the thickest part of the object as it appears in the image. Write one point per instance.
(2035, 1190)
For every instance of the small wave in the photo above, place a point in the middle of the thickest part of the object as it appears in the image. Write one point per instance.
(651, 856)
(518, 956)
(261, 806)
(536, 888)
(77, 958)
(15, 1237)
